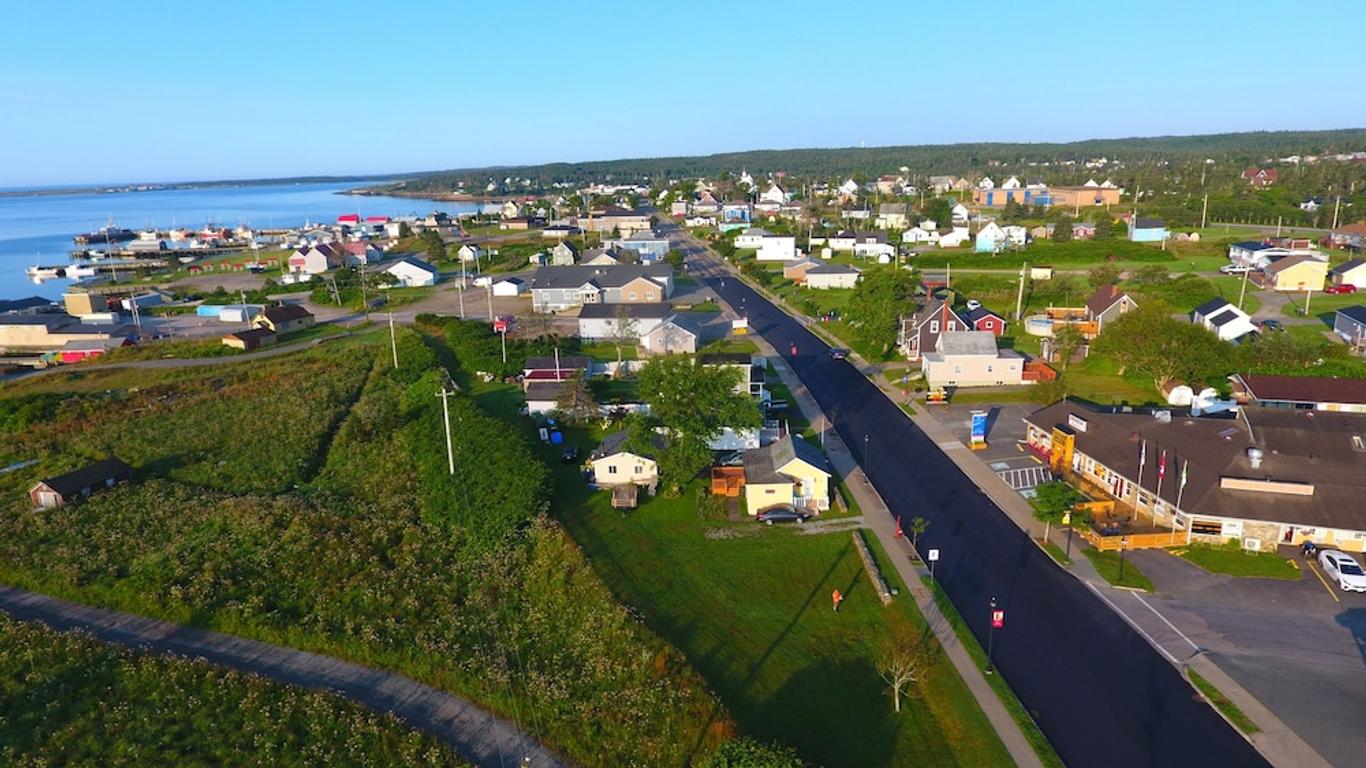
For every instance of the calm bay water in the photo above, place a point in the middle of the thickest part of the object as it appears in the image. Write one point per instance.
(38, 229)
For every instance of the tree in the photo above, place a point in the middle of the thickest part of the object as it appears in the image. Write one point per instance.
(404, 230)
(878, 301)
(433, 245)
(939, 210)
(674, 258)
(1103, 274)
(1105, 228)
(1152, 274)
(1066, 341)
(1062, 231)
(745, 752)
(692, 403)
(574, 402)
(1151, 342)
(918, 526)
(902, 662)
(1051, 501)
(625, 332)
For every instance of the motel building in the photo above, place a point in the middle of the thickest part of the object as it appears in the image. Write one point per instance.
(1261, 476)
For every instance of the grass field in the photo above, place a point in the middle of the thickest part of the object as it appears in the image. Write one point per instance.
(750, 608)
(70, 700)
(1321, 304)
(1107, 563)
(1221, 703)
(1235, 561)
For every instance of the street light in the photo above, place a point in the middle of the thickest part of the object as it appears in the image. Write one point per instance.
(1066, 520)
(997, 619)
(1123, 542)
(865, 452)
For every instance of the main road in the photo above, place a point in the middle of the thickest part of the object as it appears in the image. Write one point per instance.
(1099, 691)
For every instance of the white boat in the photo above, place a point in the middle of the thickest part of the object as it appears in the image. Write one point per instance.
(80, 270)
(44, 273)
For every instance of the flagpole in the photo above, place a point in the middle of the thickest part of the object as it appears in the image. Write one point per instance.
(1161, 471)
(1185, 463)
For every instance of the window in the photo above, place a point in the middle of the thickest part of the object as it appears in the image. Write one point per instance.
(611, 469)
(958, 369)
(633, 296)
(650, 296)
(1206, 528)
(640, 470)
(934, 326)
(988, 369)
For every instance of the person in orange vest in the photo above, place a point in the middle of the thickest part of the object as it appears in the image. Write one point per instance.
(837, 598)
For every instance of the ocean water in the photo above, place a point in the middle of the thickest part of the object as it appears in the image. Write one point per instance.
(38, 229)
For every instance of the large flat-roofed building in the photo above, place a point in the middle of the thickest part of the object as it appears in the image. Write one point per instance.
(48, 332)
(1313, 393)
(1266, 477)
(1084, 197)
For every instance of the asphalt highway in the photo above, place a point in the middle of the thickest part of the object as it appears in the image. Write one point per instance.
(1102, 695)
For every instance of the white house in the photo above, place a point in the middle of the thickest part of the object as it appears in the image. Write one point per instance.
(971, 359)
(986, 183)
(1351, 273)
(777, 248)
(874, 245)
(613, 464)
(673, 336)
(774, 194)
(316, 259)
(751, 238)
(511, 286)
(469, 253)
(1011, 183)
(955, 238)
(844, 241)
(960, 213)
(848, 189)
(923, 232)
(825, 276)
(411, 272)
(1226, 321)
(990, 238)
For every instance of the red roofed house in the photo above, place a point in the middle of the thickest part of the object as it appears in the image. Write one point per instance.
(920, 332)
(349, 218)
(1260, 177)
(316, 259)
(983, 319)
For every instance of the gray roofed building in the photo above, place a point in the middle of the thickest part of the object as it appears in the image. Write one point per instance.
(967, 343)
(556, 288)
(634, 311)
(761, 464)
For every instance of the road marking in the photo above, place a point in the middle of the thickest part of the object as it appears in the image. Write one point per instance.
(1132, 623)
(1024, 478)
(1333, 593)
(1149, 606)
(950, 445)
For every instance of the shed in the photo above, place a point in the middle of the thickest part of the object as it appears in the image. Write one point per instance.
(80, 483)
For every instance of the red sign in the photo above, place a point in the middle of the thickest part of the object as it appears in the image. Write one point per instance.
(998, 619)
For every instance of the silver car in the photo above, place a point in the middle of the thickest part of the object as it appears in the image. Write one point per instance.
(1344, 570)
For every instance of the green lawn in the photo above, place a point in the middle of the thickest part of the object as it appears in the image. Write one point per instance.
(1235, 561)
(1107, 563)
(1056, 552)
(1221, 703)
(731, 345)
(1321, 303)
(606, 351)
(750, 608)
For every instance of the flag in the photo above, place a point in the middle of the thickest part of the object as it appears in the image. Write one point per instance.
(1142, 459)
(1162, 465)
(1184, 464)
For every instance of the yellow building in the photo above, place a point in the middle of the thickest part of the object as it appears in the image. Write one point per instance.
(1300, 272)
(285, 318)
(614, 465)
(81, 302)
(788, 472)
(1084, 197)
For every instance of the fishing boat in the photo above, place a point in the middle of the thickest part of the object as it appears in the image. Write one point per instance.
(45, 273)
(106, 234)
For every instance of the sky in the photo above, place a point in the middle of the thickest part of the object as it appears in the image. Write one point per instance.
(101, 92)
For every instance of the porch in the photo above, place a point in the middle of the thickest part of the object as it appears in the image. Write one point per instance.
(1115, 524)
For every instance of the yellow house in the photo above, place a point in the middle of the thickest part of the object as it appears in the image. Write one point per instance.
(787, 472)
(1299, 272)
(613, 465)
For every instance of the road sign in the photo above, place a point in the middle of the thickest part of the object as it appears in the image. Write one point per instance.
(934, 555)
(998, 619)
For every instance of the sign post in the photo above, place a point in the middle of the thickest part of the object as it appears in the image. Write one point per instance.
(998, 621)
(1067, 521)
(933, 558)
(979, 431)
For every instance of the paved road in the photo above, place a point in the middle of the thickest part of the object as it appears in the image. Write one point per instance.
(1099, 690)
(473, 733)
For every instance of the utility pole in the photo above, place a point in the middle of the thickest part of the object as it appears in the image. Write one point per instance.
(1019, 294)
(393, 339)
(1204, 209)
(446, 420)
(1242, 290)
(1308, 294)
(1337, 204)
(1278, 226)
(489, 292)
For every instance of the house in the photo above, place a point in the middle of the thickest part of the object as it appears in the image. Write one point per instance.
(284, 318)
(316, 259)
(1351, 273)
(985, 183)
(849, 189)
(612, 321)
(955, 238)
(1311, 205)
(650, 246)
(557, 288)
(1251, 253)
(774, 194)
(796, 270)
(564, 254)
(624, 222)
(1350, 324)
(1106, 304)
(1083, 230)
(874, 245)
(1260, 177)
(960, 213)
(1222, 318)
(971, 359)
(842, 241)
(555, 368)
(79, 484)
(1350, 236)
(752, 237)
(542, 396)
(50, 332)
(678, 208)
(777, 248)
(614, 464)
(751, 370)
(33, 305)
(888, 185)
(983, 319)
(560, 231)
(924, 232)
(1304, 393)
(941, 184)
(250, 339)
(825, 276)
(736, 215)
(1148, 231)
(674, 336)
(1300, 272)
(891, 216)
(991, 238)
(856, 214)
(77, 350)
(509, 286)
(788, 472)
(358, 253)
(920, 332)
(412, 272)
(1272, 476)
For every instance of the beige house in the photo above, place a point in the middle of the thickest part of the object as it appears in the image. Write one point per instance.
(1295, 273)
(614, 465)
(788, 472)
(971, 359)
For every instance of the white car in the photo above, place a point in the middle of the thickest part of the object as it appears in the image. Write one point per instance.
(1234, 269)
(1344, 570)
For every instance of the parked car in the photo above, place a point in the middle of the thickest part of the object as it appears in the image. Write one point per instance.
(1234, 269)
(1344, 570)
(1273, 325)
(782, 514)
(973, 305)
(837, 353)
(1344, 288)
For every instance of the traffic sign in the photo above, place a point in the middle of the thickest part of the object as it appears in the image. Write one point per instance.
(998, 619)
(934, 555)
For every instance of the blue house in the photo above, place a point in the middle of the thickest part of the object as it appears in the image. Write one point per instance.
(1148, 231)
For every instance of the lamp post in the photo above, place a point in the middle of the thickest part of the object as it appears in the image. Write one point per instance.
(1067, 521)
(997, 620)
(1123, 542)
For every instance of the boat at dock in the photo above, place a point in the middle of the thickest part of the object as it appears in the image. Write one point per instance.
(106, 234)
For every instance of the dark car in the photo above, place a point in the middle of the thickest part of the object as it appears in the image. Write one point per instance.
(781, 515)
(570, 454)
(1272, 325)
(837, 353)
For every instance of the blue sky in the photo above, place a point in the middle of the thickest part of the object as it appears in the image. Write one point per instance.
(157, 91)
